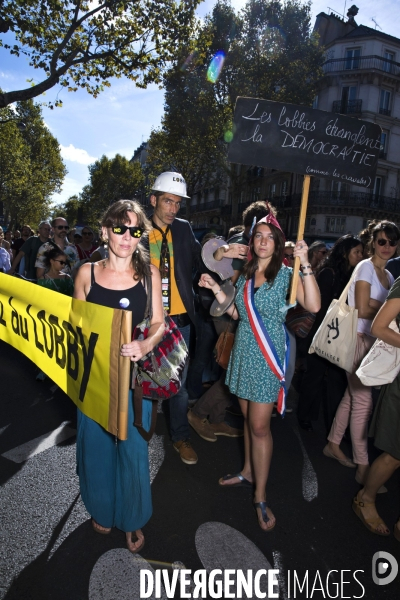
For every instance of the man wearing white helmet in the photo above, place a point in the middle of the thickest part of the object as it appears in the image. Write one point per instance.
(176, 252)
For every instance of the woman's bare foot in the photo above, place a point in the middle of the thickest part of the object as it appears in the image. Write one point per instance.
(99, 528)
(397, 531)
(266, 518)
(365, 509)
(236, 480)
(336, 451)
(134, 540)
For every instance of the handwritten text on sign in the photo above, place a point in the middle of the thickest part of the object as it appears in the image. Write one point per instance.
(305, 140)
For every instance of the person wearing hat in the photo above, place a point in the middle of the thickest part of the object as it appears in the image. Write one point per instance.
(175, 251)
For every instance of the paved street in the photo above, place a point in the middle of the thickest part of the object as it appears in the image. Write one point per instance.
(50, 552)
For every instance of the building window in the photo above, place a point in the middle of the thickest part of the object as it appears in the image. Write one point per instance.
(352, 56)
(388, 66)
(272, 190)
(315, 102)
(284, 188)
(378, 186)
(384, 103)
(384, 144)
(338, 191)
(335, 224)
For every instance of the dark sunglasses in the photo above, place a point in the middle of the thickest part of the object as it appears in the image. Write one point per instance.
(382, 242)
(62, 262)
(87, 233)
(289, 256)
(62, 227)
(136, 232)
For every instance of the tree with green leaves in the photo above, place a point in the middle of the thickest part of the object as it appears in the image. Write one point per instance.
(31, 167)
(269, 52)
(85, 43)
(110, 180)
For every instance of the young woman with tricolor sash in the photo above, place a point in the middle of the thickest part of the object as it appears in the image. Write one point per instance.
(256, 371)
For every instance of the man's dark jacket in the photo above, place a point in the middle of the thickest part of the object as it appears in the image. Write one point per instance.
(187, 259)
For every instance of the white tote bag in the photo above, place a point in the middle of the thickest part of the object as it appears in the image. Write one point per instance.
(382, 363)
(336, 337)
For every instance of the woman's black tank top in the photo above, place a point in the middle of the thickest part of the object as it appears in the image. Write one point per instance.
(133, 299)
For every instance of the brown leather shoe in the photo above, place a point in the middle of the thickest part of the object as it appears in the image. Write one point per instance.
(186, 452)
(225, 429)
(201, 427)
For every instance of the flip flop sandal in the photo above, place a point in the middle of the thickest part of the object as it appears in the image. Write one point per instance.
(263, 507)
(133, 533)
(243, 482)
(100, 529)
(370, 524)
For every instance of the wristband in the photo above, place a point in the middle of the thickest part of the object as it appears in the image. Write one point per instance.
(215, 293)
(311, 273)
(306, 267)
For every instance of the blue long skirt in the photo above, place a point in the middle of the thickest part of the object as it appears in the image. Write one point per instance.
(114, 478)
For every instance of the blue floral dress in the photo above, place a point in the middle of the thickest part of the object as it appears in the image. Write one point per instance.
(248, 375)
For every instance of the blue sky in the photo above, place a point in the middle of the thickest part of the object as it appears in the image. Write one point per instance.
(123, 116)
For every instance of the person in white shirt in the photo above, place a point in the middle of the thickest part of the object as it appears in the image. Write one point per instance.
(370, 286)
(5, 262)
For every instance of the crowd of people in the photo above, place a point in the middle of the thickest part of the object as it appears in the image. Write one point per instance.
(112, 266)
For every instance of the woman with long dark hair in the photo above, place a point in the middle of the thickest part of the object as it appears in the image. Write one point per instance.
(54, 278)
(369, 288)
(323, 381)
(114, 475)
(258, 357)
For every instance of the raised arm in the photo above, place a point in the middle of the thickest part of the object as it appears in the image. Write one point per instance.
(308, 294)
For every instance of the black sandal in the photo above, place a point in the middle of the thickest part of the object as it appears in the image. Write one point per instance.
(243, 482)
(263, 507)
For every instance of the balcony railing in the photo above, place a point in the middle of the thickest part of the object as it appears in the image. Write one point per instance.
(360, 200)
(384, 111)
(358, 63)
(351, 107)
(382, 154)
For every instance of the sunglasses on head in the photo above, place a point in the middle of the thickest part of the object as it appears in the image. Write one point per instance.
(382, 242)
(288, 256)
(136, 232)
(62, 262)
(62, 227)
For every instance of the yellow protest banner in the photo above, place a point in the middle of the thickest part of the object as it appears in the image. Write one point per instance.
(77, 344)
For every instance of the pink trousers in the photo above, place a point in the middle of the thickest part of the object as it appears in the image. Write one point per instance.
(355, 407)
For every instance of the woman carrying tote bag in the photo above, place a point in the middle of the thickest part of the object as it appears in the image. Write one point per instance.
(368, 291)
(385, 425)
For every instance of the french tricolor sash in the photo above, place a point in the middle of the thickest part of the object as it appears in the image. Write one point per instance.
(265, 343)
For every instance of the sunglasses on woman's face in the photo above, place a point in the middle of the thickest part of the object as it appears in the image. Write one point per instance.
(289, 256)
(62, 262)
(136, 232)
(382, 242)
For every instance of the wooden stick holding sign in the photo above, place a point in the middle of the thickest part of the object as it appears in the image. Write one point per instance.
(300, 236)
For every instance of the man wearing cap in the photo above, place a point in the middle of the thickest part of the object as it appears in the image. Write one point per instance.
(176, 252)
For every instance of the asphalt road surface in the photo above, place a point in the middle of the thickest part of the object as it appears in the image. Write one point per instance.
(48, 550)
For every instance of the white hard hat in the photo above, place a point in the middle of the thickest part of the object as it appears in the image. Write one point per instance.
(170, 182)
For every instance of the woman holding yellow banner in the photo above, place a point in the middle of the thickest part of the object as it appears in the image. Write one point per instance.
(114, 475)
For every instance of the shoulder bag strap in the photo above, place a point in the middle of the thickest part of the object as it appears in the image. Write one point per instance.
(343, 295)
(148, 313)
